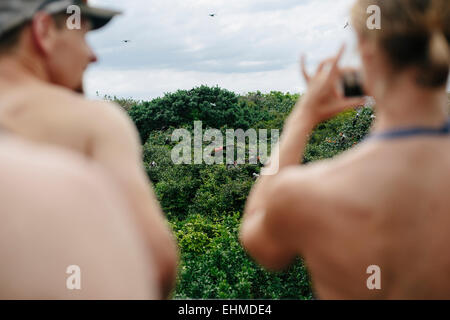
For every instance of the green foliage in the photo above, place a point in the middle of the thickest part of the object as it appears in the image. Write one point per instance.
(215, 107)
(222, 191)
(267, 111)
(176, 189)
(196, 234)
(217, 267)
(336, 135)
(203, 203)
(125, 103)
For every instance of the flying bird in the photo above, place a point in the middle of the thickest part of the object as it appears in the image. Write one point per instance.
(213, 14)
(346, 25)
(126, 41)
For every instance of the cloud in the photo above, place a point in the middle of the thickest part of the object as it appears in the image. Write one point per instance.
(153, 83)
(176, 43)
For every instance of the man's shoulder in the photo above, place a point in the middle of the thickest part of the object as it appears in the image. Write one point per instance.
(31, 169)
(56, 96)
(26, 156)
(49, 166)
(111, 120)
(74, 107)
(46, 93)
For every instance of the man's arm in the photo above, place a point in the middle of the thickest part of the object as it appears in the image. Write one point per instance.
(116, 146)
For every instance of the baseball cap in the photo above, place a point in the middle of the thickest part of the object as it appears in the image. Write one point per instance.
(15, 12)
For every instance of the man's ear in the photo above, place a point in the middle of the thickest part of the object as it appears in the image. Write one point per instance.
(42, 31)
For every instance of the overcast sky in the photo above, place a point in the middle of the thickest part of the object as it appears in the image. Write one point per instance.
(249, 45)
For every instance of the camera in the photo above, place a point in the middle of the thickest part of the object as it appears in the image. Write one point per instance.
(352, 84)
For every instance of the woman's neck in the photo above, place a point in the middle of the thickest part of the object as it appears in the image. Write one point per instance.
(406, 105)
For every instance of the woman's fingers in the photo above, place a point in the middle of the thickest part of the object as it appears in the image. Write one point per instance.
(324, 63)
(338, 57)
(335, 69)
(325, 87)
(334, 61)
(303, 68)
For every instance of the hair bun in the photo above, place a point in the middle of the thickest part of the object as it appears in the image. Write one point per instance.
(415, 34)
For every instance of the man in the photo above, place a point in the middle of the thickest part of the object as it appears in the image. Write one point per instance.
(372, 222)
(57, 212)
(41, 68)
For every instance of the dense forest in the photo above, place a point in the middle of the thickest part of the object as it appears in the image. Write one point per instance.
(204, 203)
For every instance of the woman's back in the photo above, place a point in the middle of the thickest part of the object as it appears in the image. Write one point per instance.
(390, 208)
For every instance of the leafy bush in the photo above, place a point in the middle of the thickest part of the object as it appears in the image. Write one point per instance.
(222, 191)
(203, 203)
(215, 107)
(218, 267)
(125, 103)
(338, 134)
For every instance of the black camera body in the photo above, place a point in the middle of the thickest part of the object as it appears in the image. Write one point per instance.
(352, 85)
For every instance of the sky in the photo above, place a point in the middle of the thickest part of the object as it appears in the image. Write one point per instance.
(249, 45)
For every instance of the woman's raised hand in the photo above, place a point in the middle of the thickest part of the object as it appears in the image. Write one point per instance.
(324, 99)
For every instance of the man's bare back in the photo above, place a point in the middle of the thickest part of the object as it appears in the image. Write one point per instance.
(41, 78)
(58, 210)
(103, 133)
(42, 63)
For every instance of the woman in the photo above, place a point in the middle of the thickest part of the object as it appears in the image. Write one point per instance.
(372, 222)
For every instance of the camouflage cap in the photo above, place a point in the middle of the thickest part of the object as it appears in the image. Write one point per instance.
(15, 12)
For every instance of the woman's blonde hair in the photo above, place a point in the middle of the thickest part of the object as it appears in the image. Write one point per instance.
(414, 33)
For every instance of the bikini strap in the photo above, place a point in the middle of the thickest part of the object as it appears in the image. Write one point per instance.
(412, 132)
